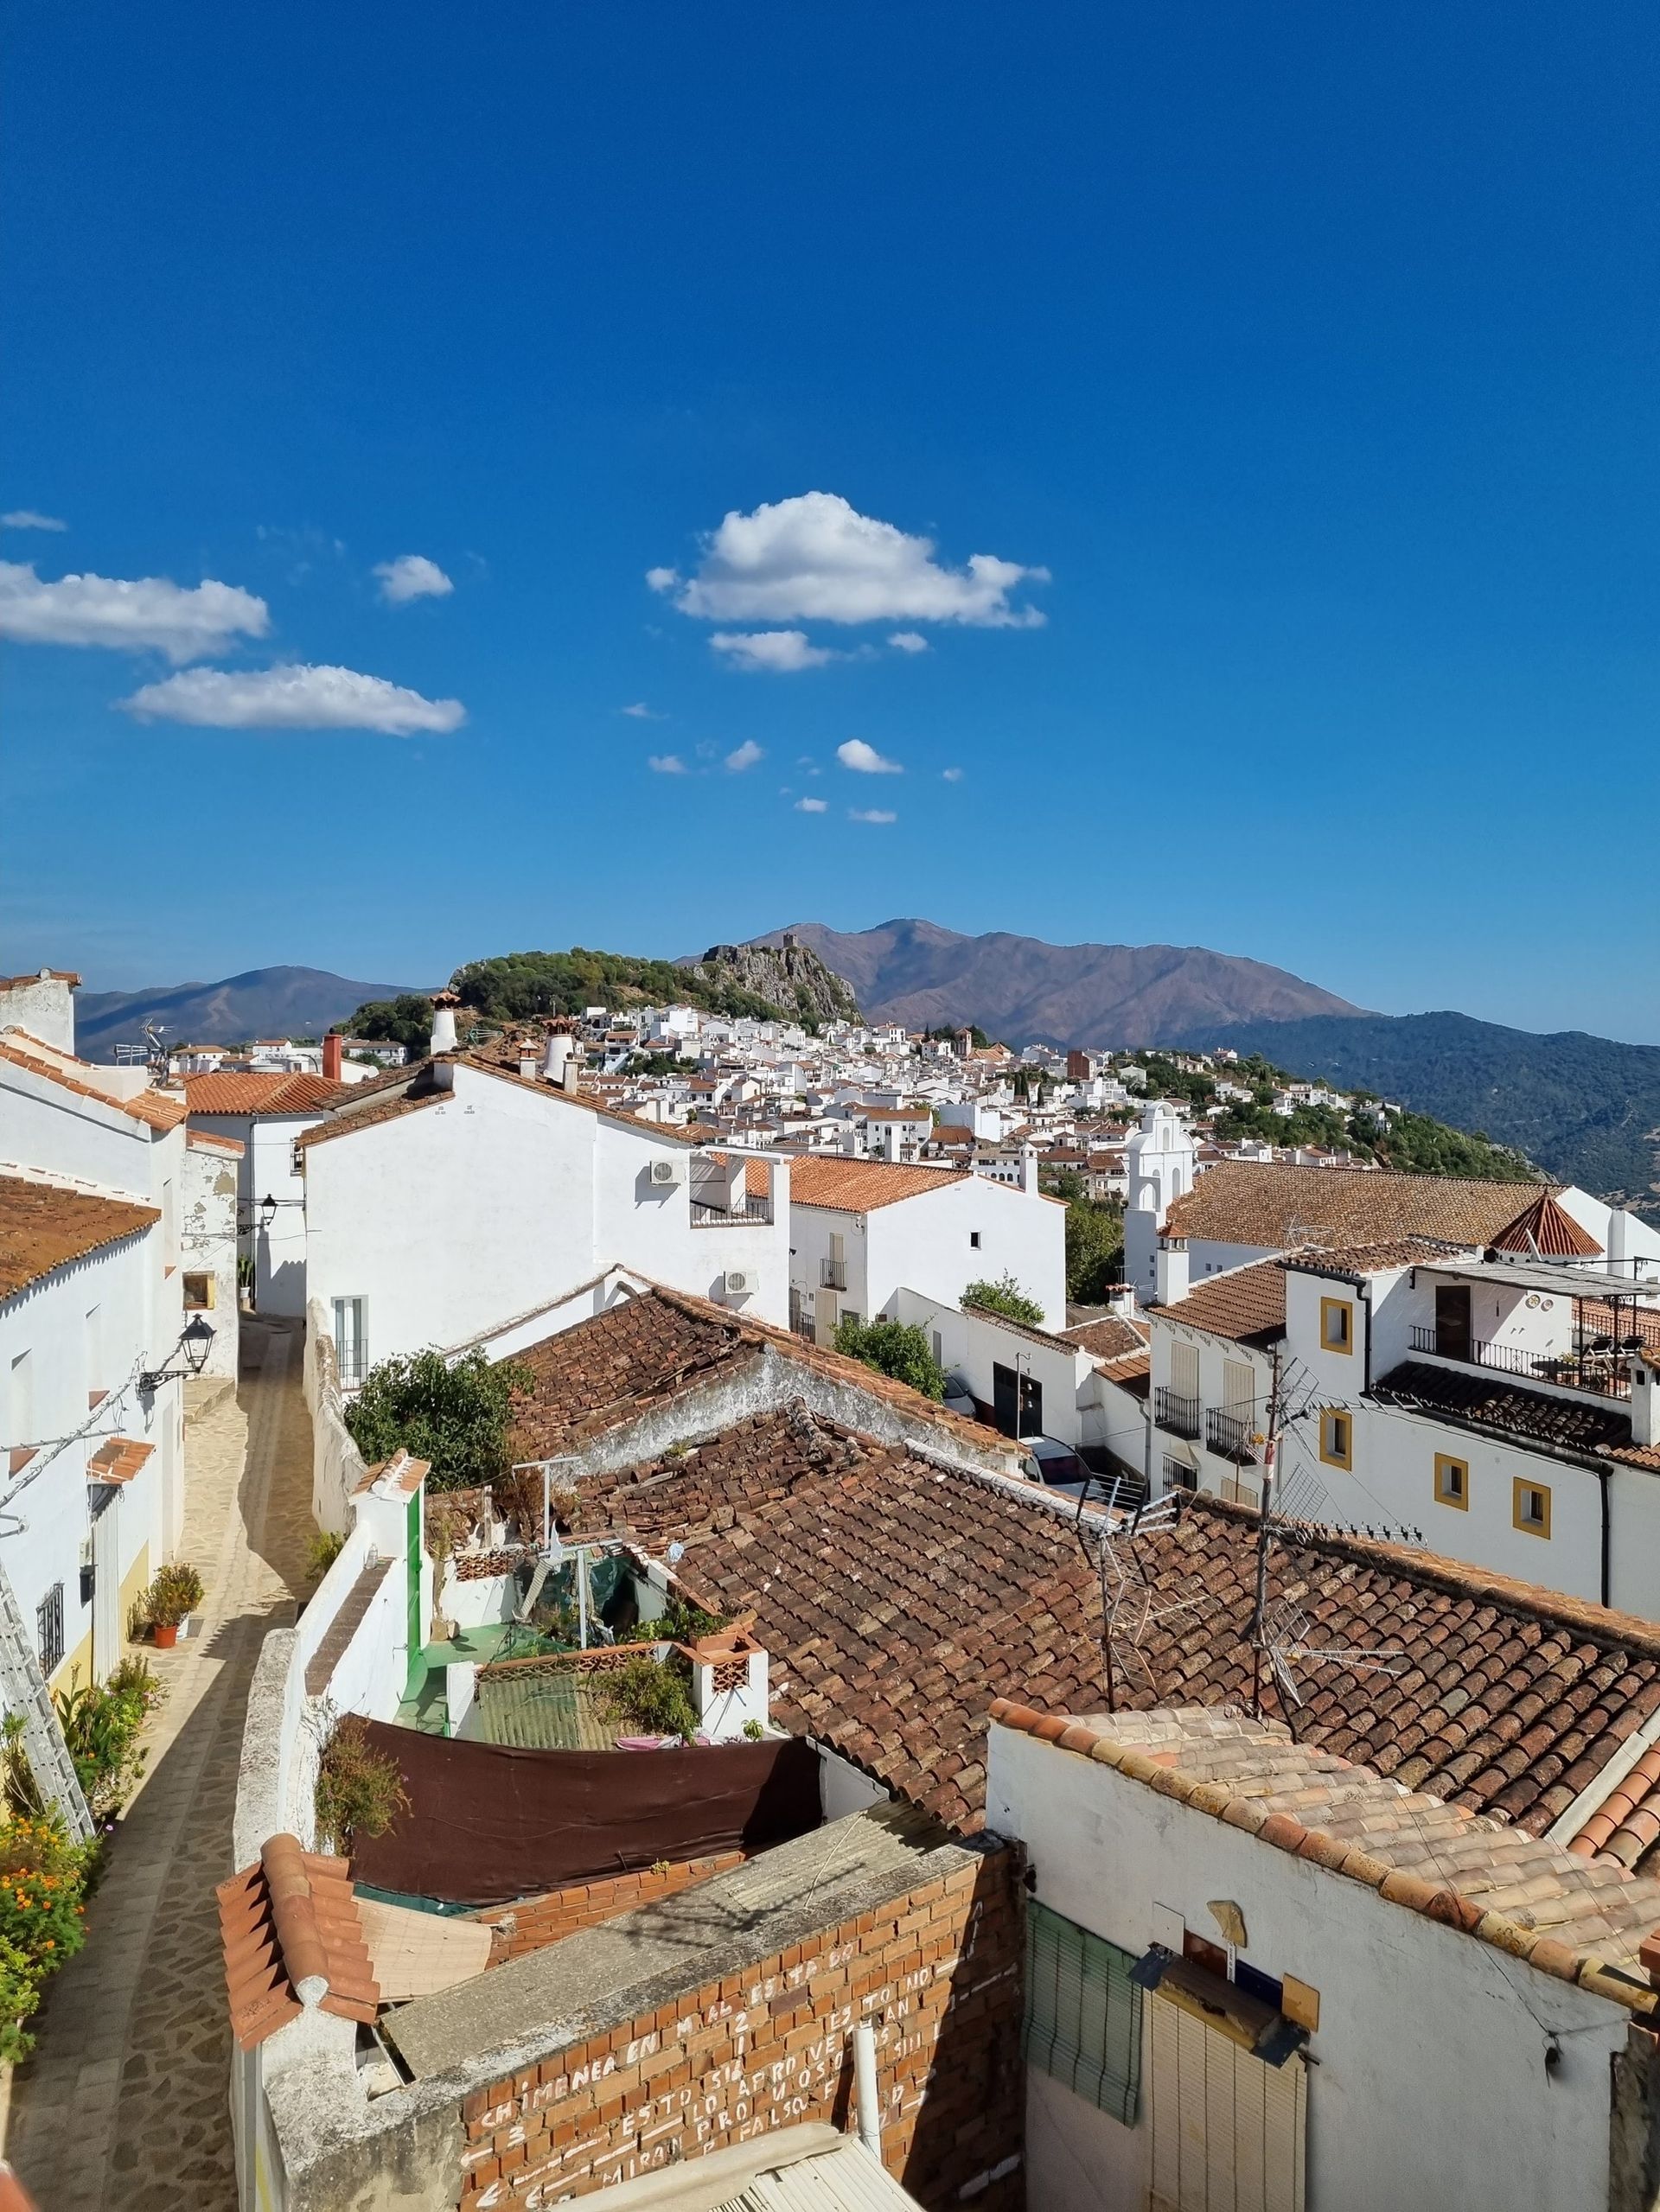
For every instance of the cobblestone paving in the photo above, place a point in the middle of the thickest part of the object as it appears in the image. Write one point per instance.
(122, 2107)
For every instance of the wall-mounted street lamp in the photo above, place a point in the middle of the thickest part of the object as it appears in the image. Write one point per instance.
(195, 1343)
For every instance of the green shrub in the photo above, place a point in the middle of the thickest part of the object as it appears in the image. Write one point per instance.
(320, 1554)
(647, 1699)
(101, 1722)
(175, 1590)
(359, 1790)
(20, 1992)
(1005, 1297)
(892, 1348)
(455, 1417)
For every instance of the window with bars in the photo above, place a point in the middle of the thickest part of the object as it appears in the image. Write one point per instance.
(49, 1628)
(1083, 2012)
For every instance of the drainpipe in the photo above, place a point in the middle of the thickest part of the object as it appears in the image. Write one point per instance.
(1602, 1484)
(865, 2100)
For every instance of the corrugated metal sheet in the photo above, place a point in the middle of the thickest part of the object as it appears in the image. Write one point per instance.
(847, 2180)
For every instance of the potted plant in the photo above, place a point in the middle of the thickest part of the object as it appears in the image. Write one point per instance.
(171, 1598)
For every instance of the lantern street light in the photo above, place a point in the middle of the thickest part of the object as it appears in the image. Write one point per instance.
(196, 1343)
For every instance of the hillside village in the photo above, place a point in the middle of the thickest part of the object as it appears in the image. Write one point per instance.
(675, 1632)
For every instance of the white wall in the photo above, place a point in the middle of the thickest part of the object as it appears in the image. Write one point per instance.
(454, 1218)
(207, 1243)
(1431, 2087)
(972, 1343)
(926, 1243)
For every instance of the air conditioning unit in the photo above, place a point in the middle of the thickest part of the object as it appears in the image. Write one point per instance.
(665, 1173)
(740, 1281)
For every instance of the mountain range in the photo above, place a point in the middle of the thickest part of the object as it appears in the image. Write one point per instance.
(1583, 1107)
(261, 1003)
(1025, 991)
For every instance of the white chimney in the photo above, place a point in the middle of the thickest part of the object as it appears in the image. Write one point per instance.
(556, 1058)
(1646, 1397)
(528, 1064)
(1029, 1168)
(1170, 1270)
(443, 1023)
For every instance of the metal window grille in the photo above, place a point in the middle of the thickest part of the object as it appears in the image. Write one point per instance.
(49, 1628)
(1083, 2012)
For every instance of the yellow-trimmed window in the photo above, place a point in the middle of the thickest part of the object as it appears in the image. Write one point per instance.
(1452, 1482)
(1530, 1506)
(1337, 1324)
(1337, 1437)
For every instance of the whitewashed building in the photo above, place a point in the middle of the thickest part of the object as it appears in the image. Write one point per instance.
(95, 1178)
(861, 1231)
(470, 1198)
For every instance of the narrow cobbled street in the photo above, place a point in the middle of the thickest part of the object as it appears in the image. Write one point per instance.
(122, 2107)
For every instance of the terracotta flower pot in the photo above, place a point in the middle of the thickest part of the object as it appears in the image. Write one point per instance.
(167, 1634)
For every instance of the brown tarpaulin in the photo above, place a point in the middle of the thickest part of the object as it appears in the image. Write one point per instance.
(488, 1823)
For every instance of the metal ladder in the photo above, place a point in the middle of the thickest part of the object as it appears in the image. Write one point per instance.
(24, 1690)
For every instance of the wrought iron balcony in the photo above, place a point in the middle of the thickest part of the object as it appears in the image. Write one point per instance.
(1599, 1366)
(1177, 1414)
(717, 1217)
(832, 1274)
(1229, 1435)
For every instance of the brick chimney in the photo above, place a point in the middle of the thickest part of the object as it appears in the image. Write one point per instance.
(442, 1039)
(331, 1058)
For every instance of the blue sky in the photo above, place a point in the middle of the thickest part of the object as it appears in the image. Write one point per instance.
(1308, 355)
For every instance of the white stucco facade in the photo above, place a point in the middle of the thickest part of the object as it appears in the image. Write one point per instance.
(961, 1230)
(1430, 2085)
(72, 1345)
(495, 1196)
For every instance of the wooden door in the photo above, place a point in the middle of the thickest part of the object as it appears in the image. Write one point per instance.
(1453, 1331)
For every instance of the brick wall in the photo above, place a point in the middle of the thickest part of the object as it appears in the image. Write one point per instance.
(938, 1975)
(534, 1921)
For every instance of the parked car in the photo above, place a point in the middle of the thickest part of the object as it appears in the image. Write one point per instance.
(1056, 1464)
(958, 1398)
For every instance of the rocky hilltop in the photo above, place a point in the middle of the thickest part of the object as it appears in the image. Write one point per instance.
(788, 974)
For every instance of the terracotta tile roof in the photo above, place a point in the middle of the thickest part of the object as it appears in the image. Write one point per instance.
(161, 1110)
(43, 1228)
(1129, 1369)
(647, 1350)
(291, 1934)
(1110, 1337)
(1350, 1260)
(1626, 1825)
(860, 1186)
(1527, 1897)
(1247, 1303)
(400, 1473)
(273, 1093)
(1549, 1230)
(898, 1599)
(1239, 1202)
(40, 975)
(118, 1460)
(1477, 1398)
(205, 1140)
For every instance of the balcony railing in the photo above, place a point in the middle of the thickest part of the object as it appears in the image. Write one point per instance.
(1229, 1435)
(1599, 1366)
(1179, 1415)
(352, 1363)
(717, 1217)
(832, 1274)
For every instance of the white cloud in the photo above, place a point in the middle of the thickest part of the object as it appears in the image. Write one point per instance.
(816, 558)
(641, 713)
(782, 652)
(871, 814)
(666, 764)
(293, 697)
(865, 759)
(411, 575)
(812, 806)
(25, 518)
(133, 617)
(908, 641)
(952, 775)
(745, 757)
